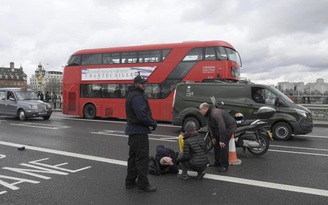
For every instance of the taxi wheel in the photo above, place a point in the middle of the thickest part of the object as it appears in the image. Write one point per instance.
(22, 115)
(46, 117)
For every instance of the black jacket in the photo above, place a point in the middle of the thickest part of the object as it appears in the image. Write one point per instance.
(220, 123)
(161, 152)
(138, 113)
(194, 151)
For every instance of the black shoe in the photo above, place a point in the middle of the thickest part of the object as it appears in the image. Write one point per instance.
(200, 175)
(222, 169)
(215, 164)
(148, 189)
(183, 176)
(130, 186)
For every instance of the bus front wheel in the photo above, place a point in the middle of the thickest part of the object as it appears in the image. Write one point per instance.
(89, 111)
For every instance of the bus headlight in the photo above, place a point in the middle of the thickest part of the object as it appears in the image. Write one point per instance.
(235, 72)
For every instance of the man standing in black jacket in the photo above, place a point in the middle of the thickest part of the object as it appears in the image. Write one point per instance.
(139, 125)
(221, 126)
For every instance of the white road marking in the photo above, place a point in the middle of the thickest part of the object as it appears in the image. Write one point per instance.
(110, 121)
(312, 136)
(257, 183)
(41, 125)
(126, 136)
(304, 153)
(305, 148)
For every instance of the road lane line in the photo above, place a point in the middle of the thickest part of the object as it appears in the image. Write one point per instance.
(249, 182)
(110, 121)
(270, 185)
(306, 148)
(304, 153)
(126, 136)
(312, 136)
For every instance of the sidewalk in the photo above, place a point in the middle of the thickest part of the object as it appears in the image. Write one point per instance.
(320, 123)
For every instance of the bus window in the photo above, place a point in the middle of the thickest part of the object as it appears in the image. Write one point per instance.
(232, 55)
(91, 59)
(165, 53)
(152, 91)
(194, 55)
(129, 57)
(74, 60)
(117, 91)
(149, 56)
(91, 91)
(155, 90)
(210, 54)
(221, 53)
(111, 58)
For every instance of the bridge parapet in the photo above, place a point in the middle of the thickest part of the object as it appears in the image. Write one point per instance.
(319, 111)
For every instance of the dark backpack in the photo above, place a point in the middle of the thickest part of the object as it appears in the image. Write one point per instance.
(153, 166)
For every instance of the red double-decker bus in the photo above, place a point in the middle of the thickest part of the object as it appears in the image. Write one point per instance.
(95, 81)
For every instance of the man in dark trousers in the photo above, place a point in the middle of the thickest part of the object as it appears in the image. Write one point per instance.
(139, 125)
(221, 126)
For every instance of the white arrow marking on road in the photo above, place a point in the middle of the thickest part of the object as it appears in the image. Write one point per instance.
(269, 185)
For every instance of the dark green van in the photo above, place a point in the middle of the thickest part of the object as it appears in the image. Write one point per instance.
(289, 119)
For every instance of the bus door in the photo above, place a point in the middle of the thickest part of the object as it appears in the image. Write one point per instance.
(70, 106)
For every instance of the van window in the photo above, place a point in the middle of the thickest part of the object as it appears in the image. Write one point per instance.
(266, 95)
(269, 97)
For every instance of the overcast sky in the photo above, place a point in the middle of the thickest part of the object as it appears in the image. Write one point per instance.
(278, 40)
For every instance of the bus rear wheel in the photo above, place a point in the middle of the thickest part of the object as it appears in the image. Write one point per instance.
(89, 111)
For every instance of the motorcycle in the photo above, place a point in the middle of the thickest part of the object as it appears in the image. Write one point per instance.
(251, 135)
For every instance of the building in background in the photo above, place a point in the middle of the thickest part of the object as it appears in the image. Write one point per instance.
(12, 77)
(292, 88)
(310, 93)
(46, 81)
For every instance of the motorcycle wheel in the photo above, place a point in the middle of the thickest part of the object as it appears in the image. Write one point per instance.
(208, 142)
(264, 146)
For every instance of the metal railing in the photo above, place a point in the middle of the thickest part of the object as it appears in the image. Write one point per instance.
(319, 111)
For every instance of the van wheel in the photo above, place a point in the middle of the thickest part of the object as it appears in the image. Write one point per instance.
(22, 115)
(282, 131)
(89, 111)
(192, 120)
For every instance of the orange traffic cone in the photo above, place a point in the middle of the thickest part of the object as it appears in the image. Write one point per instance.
(232, 152)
